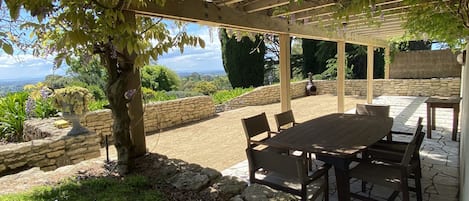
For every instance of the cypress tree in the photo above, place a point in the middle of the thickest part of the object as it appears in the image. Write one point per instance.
(243, 60)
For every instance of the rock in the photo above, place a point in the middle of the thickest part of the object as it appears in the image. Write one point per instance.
(168, 171)
(211, 173)
(228, 187)
(192, 181)
(236, 198)
(256, 192)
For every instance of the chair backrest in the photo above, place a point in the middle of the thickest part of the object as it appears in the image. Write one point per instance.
(373, 110)
(414, 145)
(284, 118)
(289, 166)
(255, 125)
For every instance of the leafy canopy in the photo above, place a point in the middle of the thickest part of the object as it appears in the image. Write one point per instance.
(68, 28)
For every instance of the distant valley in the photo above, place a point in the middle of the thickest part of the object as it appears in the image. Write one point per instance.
(7, 86)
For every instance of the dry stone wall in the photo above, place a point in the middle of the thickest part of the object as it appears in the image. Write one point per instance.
(157, 116)
(395, 87)
(49, 153)
(391, 87)
(265, 95)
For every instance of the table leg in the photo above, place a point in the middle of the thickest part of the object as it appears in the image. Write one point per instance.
(433, 118)
(429, 124)
(341, 167)
(455, 122)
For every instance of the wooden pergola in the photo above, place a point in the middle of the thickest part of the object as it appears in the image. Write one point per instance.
(311, 19)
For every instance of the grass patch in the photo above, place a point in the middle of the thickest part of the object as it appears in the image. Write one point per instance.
(102, 189)
(222, 96)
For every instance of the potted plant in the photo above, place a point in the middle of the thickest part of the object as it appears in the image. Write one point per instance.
(73, 102)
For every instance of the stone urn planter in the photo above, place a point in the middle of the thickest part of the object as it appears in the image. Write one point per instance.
(73, 102)
(77, 128)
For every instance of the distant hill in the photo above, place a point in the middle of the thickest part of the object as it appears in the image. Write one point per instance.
(212, 73)
(7, 86)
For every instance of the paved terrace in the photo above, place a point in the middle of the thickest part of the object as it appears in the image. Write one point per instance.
(440, 155)
(220, 142)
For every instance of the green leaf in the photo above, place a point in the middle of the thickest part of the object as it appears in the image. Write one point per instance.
(7, 48)
(201, 43)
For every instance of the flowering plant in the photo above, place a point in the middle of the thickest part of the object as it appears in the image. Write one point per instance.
(72, 99)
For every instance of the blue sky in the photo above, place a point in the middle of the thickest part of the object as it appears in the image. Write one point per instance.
(194, 59)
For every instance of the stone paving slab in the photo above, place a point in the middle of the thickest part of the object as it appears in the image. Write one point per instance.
(439, 155)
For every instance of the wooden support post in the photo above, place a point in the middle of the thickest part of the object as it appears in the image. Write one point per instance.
(284, 60)
(369, 75)
(137, 128)
(387, 62)
(340, 76)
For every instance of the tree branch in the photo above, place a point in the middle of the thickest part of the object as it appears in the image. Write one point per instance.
(118, 6)
(153, 25)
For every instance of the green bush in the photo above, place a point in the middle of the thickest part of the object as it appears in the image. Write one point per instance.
(205, 87)
(222, 96)
(159, 78)
(97, 104)
(107, 189)
(12, 116)
(183, 94)
(44, 108)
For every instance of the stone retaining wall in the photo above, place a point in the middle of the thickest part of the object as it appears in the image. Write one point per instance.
(395, 87)
(265, 95)
(157, 115)
(391, 87)
(54, 151)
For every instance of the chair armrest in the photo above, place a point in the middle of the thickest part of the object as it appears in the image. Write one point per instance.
(319, 172)
(382, 151)
(401, 133)
(272, 132)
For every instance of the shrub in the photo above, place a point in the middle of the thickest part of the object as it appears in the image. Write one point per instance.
(226, 95)
(159, 78)
(12, 116)
(97, 105)
(205, 87)
(183, 94)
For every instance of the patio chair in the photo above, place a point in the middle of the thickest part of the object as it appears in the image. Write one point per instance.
(391, 174)
(288, 173)
(257, 130)
(386, 151)
(285, 120)
(378, 111)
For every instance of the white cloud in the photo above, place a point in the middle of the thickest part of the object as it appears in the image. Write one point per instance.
(196, 59)
(25, 66)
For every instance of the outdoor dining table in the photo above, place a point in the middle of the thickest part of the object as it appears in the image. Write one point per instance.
(335, 139)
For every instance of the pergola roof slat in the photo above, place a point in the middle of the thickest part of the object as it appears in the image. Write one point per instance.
(231, 17)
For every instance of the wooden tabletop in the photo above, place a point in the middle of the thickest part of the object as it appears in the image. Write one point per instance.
(447, 100)
(338, 135)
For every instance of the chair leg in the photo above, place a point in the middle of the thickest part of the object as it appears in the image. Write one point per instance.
(304, 194)
(405, 189)
(363, 186)
(326, 188)
(418, 184)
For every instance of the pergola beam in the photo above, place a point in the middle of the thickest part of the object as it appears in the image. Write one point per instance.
(304, 7)
(209, 14)
(264, 5)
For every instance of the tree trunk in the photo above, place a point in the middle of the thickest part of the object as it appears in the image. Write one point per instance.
(125, 99)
